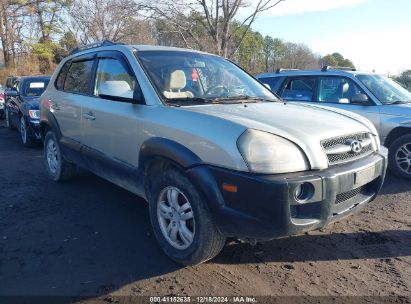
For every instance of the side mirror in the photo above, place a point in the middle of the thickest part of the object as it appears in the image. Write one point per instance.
(12, 93)
(267, 86)
(360, 99)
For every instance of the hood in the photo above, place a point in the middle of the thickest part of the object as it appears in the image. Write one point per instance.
(304, 125)
(31, 102)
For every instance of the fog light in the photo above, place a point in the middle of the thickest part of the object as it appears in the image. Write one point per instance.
(303, 192)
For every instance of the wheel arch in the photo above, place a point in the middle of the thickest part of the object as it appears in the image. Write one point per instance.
(158, 154)
(49, 124)
(396, 133)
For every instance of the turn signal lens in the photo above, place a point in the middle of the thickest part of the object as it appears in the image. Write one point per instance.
(229, 188)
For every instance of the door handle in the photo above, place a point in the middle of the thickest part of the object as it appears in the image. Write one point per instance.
(89, 116)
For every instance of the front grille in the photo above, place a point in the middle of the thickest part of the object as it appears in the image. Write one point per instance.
(345, 196)
(344, 141)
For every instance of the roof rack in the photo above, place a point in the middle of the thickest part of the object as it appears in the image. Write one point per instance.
(95, 45)
(278, 71)
(326, 68)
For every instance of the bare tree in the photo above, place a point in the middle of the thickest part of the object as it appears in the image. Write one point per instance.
(214, 16)
(116, 20)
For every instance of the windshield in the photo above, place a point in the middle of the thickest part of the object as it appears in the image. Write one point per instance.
(188, 78)
(35, 87)
(385, 89)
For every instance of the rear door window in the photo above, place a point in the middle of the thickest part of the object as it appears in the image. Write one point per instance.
(299, 89)
(79, 76)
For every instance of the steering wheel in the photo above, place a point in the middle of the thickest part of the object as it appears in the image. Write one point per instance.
(217, 90)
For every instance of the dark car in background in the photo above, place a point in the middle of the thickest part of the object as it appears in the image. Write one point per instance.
(1, 102)
(22, 107)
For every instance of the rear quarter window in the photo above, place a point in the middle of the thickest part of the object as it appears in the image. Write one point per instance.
(271, 81)
(62, 76)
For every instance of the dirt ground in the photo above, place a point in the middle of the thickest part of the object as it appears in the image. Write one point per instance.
(90, 238)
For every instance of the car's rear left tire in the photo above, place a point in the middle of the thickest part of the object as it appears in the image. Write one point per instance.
(57, 167)
(181, 220)
(8, 122)
(399, 157)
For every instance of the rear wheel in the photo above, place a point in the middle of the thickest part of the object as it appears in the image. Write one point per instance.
(181, 220)
(57, 167)
(8, 122)
(399, 156)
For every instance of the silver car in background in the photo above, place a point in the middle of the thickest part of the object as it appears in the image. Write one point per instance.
(380, 99)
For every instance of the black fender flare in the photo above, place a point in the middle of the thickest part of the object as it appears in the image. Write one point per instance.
(192, 165)
(52, 124)
(168, 149)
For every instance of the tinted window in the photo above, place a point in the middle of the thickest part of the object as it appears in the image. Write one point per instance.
(62, 76)
(78, 77)
(271, 81)
(337, 89)
(35, 87)
(300, 89)
(114, 79)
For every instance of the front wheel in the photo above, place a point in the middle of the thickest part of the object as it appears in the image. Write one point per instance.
(399, 156)
(57, 167)
(181, 220)
(25, 134)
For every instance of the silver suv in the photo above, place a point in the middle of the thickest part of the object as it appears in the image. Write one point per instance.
(212, 150)
(380, 99)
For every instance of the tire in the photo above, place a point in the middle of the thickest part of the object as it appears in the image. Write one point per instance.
(207, 241)
(57, 167)
(399, 157)
(8, 123)
(26, 140)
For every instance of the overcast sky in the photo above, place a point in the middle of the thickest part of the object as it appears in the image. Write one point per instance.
(374, 34)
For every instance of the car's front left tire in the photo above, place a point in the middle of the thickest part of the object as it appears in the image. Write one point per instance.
(57, 167)
(181, 220)
(26, 139)
(399, 156)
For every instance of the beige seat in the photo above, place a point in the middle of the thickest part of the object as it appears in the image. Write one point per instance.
(178, 82)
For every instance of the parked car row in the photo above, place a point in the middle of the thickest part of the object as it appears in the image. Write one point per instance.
(380, 99)
(212, 150)
(22, 96)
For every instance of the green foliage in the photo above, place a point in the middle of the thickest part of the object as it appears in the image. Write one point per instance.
(405, 79)
(336, 59)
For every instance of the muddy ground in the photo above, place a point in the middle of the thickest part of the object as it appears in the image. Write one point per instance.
(90, 238)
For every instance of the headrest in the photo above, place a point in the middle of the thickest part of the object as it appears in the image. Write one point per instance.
(178, 80)
(119, 88)
(345, 87)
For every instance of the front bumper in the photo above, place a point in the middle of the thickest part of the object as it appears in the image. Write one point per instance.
(265, 207)
(34, 128)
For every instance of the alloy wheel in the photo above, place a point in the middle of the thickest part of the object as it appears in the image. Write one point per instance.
(52, 156)
(176, 218)
(403, 158)
(23, 130)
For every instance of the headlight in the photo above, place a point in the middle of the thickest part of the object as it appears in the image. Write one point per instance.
(376, 142)
(35, 114)
(267, 153)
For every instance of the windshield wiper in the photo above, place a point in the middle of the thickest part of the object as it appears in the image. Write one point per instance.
(241, 99)
(187, 101)
(399, 102)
